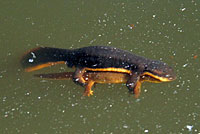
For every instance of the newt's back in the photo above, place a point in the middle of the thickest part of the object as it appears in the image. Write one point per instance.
(105, 57)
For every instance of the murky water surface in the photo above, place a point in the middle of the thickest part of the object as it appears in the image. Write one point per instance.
(162, 30)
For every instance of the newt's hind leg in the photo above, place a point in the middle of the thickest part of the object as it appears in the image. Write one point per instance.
(134, 84)
(88, 88)
(137, 89)
(78, 76)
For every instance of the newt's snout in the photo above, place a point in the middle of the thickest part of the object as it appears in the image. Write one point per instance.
(160, 71)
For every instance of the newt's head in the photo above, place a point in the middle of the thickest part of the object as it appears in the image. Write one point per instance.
(159, 71)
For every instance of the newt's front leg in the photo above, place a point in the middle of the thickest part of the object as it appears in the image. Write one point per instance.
(78, 79)
(78, 76)
(134, 84)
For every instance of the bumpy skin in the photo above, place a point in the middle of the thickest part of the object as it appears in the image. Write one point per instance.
(104, 57)
(99, 58)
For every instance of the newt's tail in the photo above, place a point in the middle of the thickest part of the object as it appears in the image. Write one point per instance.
(43, 57)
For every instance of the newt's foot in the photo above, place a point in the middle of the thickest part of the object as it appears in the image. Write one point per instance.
(136, 95)
(88, 93)
(88, 88)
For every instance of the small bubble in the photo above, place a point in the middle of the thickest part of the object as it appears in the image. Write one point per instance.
(183, 9)
(77, 79)
(185, 65)
(125, 126)
(189, 127)
(30, 60)
(33, 54)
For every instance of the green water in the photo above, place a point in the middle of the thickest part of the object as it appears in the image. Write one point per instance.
(164, 30)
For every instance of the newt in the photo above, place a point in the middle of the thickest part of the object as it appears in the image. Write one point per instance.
(99, 59)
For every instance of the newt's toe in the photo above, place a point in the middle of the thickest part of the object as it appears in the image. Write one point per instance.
(88, 93)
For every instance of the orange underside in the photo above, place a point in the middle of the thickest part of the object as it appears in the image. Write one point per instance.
(102, 77)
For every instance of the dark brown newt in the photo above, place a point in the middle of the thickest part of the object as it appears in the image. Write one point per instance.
(92, 78)
(99, 59)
